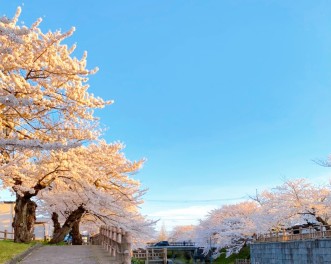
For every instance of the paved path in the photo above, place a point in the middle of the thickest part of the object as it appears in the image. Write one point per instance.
(68, 255)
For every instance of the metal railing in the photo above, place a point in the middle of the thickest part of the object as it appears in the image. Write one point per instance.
(242, 261)
(175, 244)
(293, 234)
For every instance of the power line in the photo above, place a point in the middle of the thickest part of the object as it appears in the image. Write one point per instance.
(197, 201)
(180, 219)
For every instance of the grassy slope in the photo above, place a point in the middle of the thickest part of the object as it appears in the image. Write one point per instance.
(9, 249)
(243, 254)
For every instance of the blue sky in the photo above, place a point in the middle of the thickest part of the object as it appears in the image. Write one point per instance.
(221, 97)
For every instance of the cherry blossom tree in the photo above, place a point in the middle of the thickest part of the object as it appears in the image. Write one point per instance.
(44, 106)
(295, 201)
(163, 234)
(28, 174)
(44, 101)
(182, 233)
(97, 185)
(229, 227)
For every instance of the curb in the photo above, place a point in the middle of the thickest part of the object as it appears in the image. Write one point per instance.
(21, 256)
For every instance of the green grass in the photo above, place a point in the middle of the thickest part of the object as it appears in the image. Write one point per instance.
(9, 249)
(137, 261)
(243, 254)
(182, 257)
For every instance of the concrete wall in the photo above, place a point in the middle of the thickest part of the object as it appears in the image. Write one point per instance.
(295, 252)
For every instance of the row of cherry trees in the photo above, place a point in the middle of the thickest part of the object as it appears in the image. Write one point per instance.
(51, 151)
(232, 226)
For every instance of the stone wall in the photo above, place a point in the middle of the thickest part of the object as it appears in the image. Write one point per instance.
(294, 252)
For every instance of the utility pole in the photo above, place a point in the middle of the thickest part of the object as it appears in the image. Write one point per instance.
(211, 251)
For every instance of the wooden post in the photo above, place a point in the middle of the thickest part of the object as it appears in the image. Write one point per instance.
(5, 235)
(126, 248)
(118, 243)
(323, 230)
(164, 256)
(101, 236)
(45, 233)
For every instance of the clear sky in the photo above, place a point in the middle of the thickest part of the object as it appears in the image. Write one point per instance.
(221, 97)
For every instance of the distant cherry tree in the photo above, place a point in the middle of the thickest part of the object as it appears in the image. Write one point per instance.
(182, 233)
(296, 201)
(229, 227)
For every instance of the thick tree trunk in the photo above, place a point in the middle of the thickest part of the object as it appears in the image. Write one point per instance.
(323, 222)
(67, 226)
(56, 223)
(76, 236)
(25, 210)
(24, 219)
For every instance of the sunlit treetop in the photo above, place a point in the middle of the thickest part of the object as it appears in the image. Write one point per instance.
(44, 98)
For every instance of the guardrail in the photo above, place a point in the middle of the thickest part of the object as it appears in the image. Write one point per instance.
(152, 255)
(117, 242)
(5, 235)
(293, 234)
(175, 244)
(242, 261)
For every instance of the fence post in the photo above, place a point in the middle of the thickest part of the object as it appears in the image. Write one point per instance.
(117, 242)
(5, 235)
(322, 230)
(284, 234)
(165, 256)
(126, 248)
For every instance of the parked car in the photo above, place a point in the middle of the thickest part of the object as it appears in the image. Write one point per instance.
(161, 244)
